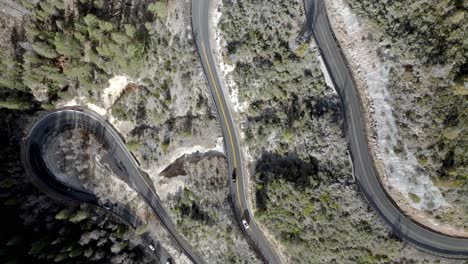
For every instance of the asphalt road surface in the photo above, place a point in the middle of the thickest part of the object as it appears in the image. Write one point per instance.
(68, 118)
(366, 177)
(201, 29)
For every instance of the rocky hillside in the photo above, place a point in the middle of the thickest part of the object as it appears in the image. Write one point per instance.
(428, 88)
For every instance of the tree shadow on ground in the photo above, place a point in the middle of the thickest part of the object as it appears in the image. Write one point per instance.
(289, 167)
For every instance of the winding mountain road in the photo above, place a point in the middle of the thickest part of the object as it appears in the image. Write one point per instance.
(364, 171)
(366, 177)
(201, 28)
(68, 118)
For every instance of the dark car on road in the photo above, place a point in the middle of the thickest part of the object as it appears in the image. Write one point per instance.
(234, 176)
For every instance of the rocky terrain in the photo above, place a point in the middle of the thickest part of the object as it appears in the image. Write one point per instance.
(413, 99)
(302, 187)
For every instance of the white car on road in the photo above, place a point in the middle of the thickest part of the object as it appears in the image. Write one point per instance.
(151, 246)
(246, 225)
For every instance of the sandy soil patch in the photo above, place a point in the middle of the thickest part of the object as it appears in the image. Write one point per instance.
(116, 86)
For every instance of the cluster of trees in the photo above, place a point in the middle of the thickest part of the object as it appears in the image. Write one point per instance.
(263, 44)
(429, 87)
(278, 76)
(317, 215)
(434, 32)
(65, 47)
(171, 94)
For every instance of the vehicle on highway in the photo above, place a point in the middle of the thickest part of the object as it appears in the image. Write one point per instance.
(107, 205)
(234, 175)
(151, 246)
(246, 225)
